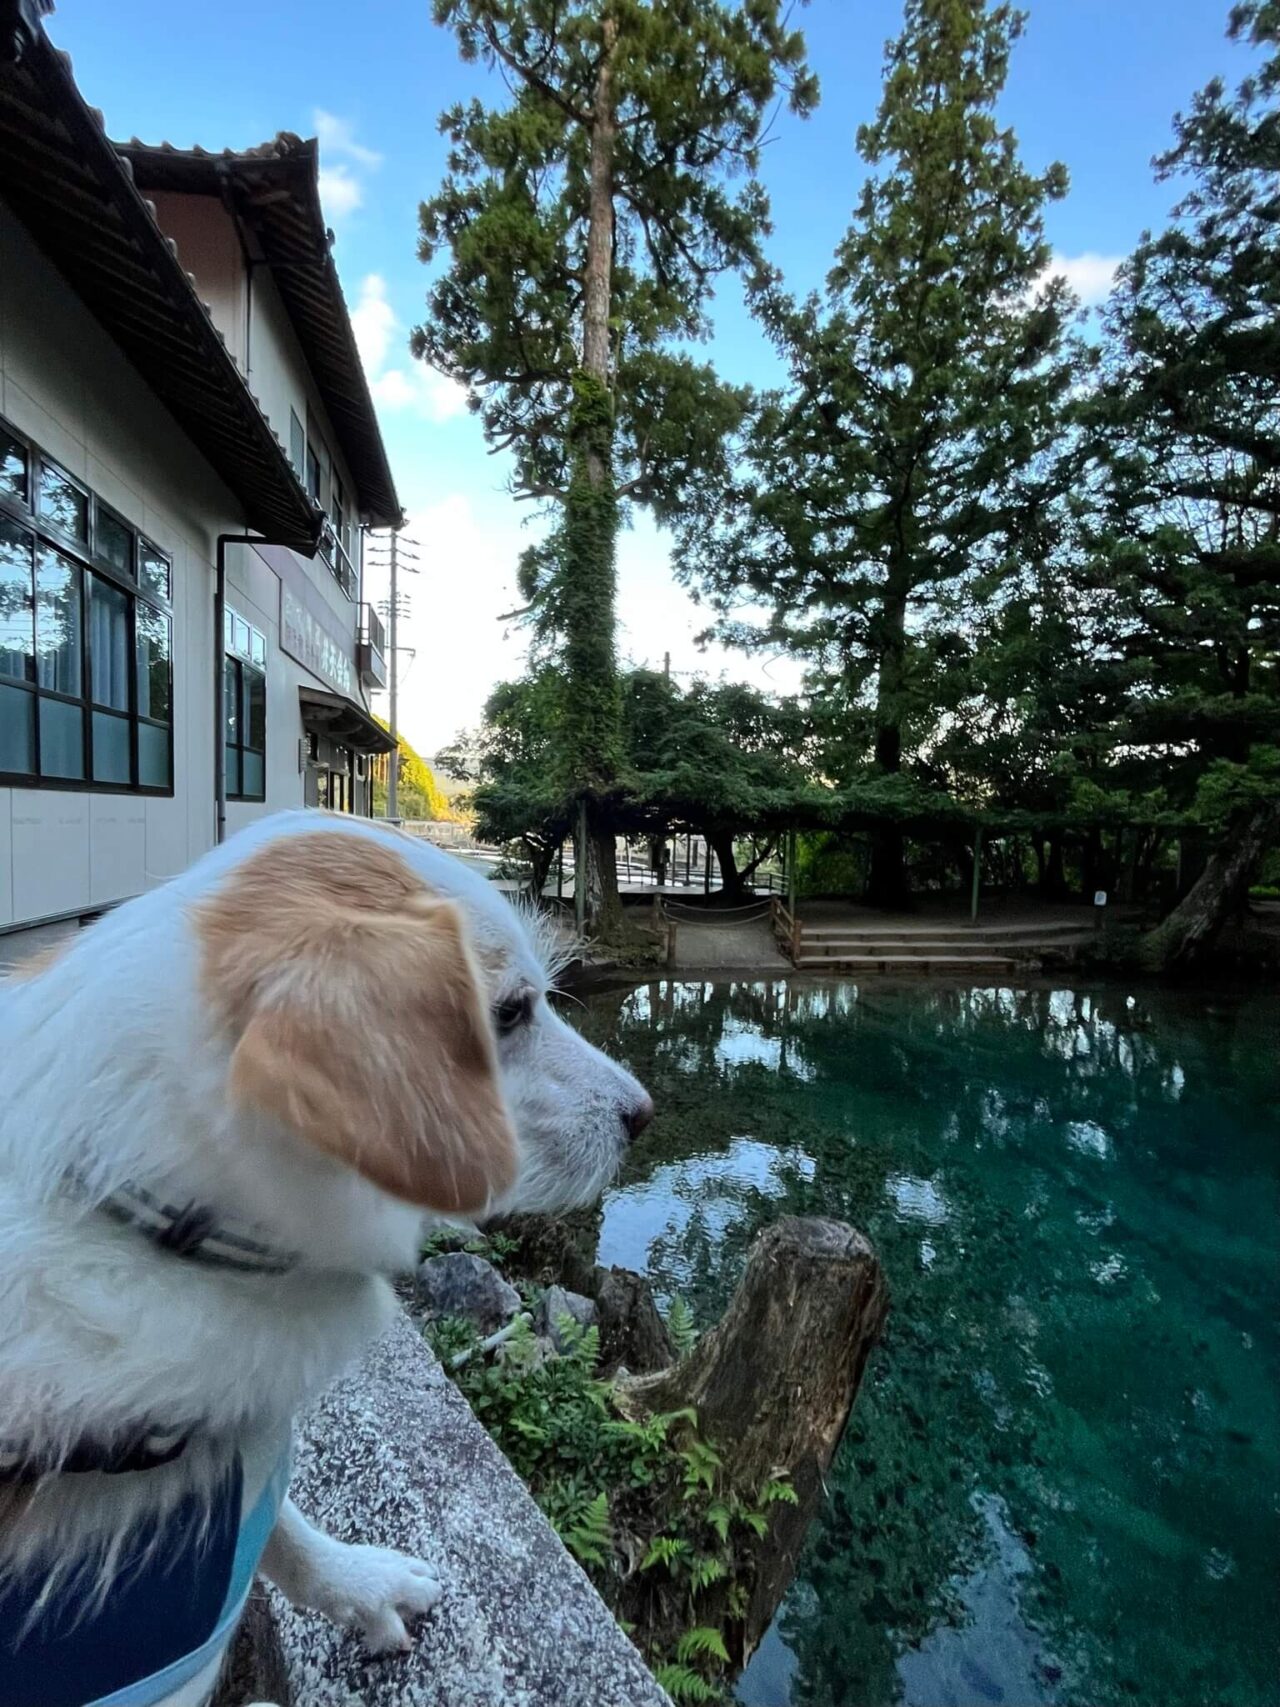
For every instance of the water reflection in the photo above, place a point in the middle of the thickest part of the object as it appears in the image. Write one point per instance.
(1050, 1489)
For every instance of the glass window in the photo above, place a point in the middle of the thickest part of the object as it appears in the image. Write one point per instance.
(255, 710)
(13, 465)
(241, 645)
(86, 665)
(17, 605)
(62, 502)
(153, 663)
(231, 700)
(297, 444)
(153, 755)
(153, 570)
(114, 542)
(17, 731)
(313, 473)
(62, 738)
(109, 645)
(57, 622)
(257, 648)
(110, 748)
(245, 730)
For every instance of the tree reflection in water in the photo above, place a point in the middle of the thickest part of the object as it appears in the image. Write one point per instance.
(1052, 1488)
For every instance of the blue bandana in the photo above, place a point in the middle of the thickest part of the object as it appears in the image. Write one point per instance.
(171, 1610)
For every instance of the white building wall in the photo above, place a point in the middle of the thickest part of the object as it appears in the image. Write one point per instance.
(64, 382)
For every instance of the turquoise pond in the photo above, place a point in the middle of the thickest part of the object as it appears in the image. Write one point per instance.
(1061, 1482)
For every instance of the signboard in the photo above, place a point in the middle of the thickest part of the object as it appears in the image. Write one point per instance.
(1099, 897)
(305, 639)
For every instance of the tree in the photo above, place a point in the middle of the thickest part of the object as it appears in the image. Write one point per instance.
(418, 794)
(585, 223)
(719, 758)
(516, 758)
(1187, 558)
(906, 463)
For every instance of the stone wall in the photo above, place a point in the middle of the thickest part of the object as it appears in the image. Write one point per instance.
(393, 1456)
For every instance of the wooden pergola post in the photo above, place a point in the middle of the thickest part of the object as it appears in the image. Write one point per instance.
(791, 871)
(977, 874)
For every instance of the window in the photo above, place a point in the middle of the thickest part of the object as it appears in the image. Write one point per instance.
(86, 655)
(244, 690)
(297, 445)
(313, 471)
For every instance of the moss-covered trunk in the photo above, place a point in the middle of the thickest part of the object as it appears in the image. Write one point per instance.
(1189, 931)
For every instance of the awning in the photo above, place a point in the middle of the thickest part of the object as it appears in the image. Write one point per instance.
(343, 721)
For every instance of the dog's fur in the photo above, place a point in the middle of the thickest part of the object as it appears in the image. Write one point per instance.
(299, 1034)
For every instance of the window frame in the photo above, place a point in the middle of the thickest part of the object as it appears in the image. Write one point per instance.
(243, 664)
(89, 564)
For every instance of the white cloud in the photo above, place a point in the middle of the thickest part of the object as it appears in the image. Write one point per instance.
(337, 136)
(1089, 275)
(374, 322)
(417, 388)
(340, 193)
(422, 389)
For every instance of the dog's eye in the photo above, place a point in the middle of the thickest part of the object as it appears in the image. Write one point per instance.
(510, 1015)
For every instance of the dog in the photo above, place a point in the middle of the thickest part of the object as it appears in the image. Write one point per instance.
(230, 1109)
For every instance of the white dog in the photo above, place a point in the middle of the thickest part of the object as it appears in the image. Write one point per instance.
(227, 1109)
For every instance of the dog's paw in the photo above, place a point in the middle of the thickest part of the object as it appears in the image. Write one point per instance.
(373, 1590)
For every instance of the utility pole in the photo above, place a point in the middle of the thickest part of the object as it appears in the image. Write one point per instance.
(399, 561)
(393, 761)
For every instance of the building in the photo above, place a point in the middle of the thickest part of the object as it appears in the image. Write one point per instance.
(189, 459)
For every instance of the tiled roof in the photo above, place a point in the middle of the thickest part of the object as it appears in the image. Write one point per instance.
(74, 193)
(274, 192)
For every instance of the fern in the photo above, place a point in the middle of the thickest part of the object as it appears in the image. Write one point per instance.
(699, 1643)
(590, 1538)
(682, 1684)
(705, 1570)
(779, 1489)
(680, 1325)
(665, 1550)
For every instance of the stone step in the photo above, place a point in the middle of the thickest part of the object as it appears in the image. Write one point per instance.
(1024, 933)
(874, 948)
(913, 963)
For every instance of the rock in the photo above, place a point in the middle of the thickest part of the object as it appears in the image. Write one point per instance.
(527, 1353)
(631, 1330)
(552, 1249)
(467, 1286)
(555, 1305)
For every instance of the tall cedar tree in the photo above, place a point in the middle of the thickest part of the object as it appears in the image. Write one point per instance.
(1188, 421)
(585, 223)
(907, 459)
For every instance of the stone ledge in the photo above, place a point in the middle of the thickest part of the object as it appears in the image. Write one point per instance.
(392, 1455)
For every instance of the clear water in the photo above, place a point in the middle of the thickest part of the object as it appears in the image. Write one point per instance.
(1061, 1483)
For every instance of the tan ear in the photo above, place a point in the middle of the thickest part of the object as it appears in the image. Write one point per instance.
(369, 1038)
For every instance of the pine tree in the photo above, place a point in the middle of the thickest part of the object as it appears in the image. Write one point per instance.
(907, 461)
(1187, 565)
(584, 223)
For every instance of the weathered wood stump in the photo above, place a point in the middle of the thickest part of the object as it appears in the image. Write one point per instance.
(774, 1381)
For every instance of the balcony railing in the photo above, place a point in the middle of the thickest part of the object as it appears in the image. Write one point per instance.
(334, 554)
(373, 649)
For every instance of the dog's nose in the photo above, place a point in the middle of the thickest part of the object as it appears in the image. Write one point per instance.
(636, 1119)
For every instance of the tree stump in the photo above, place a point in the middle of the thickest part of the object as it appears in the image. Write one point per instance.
(774, 1381)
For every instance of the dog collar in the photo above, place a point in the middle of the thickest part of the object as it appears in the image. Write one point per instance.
(194, 1233)
(145, 1450)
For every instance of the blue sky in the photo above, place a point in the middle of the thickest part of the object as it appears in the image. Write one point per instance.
(1094, 83)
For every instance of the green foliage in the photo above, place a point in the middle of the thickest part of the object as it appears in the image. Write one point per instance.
(584, 224)
(682, 1683)
(643, 1504)
(906, 460)
(418, 794)
(681, 1327)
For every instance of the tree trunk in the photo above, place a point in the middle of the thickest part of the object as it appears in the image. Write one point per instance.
(1188, 932)
(888, 885)
(593, 707)
(732, 886)
(774, 1381)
